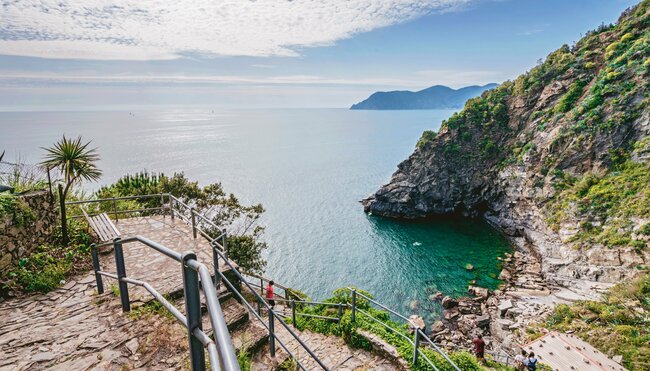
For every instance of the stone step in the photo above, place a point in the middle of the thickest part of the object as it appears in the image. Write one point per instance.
(234, 313)
(250, 338)
(263, 361)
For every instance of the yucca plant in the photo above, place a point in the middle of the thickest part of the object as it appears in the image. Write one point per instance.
(76, 161)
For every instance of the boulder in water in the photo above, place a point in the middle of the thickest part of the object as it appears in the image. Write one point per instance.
(448, 302)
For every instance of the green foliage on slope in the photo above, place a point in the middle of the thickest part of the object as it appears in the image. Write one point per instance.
(617, 325)
(348, 331)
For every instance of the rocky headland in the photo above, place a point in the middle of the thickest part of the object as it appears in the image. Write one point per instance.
(558, 160)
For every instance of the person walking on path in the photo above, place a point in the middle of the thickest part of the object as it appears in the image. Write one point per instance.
(531, 362)
(479, 347)
(520, 360)
(270, 296)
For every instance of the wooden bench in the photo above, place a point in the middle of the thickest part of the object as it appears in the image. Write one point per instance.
(102, 226)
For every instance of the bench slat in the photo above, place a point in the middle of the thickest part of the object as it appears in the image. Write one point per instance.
(103, 227)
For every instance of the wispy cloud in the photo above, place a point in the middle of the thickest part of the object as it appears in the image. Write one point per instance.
(167, 29)
(26, 79)
(532, 31)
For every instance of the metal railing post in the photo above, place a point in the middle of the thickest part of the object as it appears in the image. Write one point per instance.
(96, 268)
(171, 206)
(293, 313)
(215, 261)
(162, 204)
(259, 307)
(271, 333)
(261, 286)
(416, 345)
(193, 222)
(193, 311)
(121, 273)
(340, 312)
(224, 243)
(354, 305)
(115, 210)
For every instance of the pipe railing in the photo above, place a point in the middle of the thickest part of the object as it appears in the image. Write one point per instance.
(418, 334)
(272, 314)
(220, 351)
(168, 204)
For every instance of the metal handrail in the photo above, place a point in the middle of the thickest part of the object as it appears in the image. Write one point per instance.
(259, 317)
(222, 354)
(272, 313)
(418, 334)
(115, 198)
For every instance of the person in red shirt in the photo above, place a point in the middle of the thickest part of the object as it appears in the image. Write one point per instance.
(479, 347)
(270, 295)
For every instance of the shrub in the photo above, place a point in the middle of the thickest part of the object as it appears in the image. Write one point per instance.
(427, 137)
(569, 99)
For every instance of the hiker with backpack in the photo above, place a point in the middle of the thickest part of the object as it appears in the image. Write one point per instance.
(531, 362)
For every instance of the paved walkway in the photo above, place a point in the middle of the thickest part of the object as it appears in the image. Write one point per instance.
(146, 264)
(332, 351)
(72, 328)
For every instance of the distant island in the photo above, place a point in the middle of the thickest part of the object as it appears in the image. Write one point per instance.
(435, 97)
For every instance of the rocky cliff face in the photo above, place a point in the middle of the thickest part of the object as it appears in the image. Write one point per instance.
(558, 159)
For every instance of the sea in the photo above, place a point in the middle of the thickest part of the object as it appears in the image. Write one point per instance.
(309, 168)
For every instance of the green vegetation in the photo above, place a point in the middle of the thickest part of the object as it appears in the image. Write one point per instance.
(51, 264)
(223, 209)
(617, 325)
(20, 212)
(605, 203)
(571, 97)
(22, 178)
(147, 310)
(244, 360)
(348, 331)
(427, 137)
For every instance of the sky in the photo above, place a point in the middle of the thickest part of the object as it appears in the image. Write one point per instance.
(97, 54)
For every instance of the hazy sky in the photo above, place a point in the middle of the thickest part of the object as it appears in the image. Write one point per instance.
(63, 54)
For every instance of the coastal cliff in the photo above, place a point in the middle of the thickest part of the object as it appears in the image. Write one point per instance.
(558, 159)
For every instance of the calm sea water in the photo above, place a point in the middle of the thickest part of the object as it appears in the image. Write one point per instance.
(309, 168)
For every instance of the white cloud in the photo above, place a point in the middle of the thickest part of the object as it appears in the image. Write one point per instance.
(164, 29)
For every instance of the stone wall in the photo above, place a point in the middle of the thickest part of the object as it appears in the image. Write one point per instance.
(20, 238)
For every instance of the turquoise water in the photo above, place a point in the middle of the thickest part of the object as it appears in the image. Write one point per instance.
(309, 168)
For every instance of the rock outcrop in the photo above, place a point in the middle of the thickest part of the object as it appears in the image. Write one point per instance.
(535, 156)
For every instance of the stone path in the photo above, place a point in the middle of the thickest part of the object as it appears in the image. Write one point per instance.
(332, 351)
(72, 328)
(146, 264)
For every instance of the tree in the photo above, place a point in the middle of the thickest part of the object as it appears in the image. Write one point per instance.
(76, 161)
